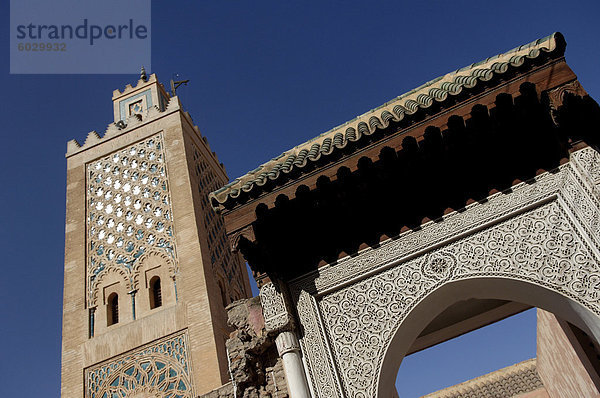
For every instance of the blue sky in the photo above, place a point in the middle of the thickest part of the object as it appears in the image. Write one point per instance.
(265, 75)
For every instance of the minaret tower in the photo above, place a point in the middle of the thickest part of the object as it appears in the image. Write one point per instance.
(148, 271)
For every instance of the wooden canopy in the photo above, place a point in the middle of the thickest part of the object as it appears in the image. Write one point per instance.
(455, 140)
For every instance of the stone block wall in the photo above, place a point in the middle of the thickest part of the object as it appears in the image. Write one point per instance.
(255, 367)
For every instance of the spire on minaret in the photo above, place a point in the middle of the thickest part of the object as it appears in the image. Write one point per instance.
(143, 75)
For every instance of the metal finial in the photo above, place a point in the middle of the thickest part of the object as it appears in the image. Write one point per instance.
(176, 84)
(143, 74)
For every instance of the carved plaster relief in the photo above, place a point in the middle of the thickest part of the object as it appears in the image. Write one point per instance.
(543, 233)
(275, 309)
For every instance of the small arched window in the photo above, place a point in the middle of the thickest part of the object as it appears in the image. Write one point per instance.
(155, 293)
(112, 309)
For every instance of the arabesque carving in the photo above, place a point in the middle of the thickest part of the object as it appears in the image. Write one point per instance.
(544, 233)
(557, 95)
(275, 309)
(246, 232)
(587, 161)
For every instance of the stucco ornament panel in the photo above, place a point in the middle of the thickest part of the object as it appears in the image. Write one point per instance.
(539, 247)
(161, 369)
(275, 309)
(588, 161)
(321, 368)
(543, 232)
(128, 213)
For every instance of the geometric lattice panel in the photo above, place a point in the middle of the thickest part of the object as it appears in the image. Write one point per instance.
(128, 211)
(226, 266)
(160, 369)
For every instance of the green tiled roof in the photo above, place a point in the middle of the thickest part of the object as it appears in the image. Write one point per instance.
(436, 90)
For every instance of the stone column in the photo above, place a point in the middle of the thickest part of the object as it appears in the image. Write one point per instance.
(288, 348)
(278, 320)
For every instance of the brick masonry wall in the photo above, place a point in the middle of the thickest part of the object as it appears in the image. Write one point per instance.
(561, 361)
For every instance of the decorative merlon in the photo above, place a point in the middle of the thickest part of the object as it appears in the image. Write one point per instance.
(114, 130)
(72, 146)
(123, 126)
(129, 88)
(92, 138)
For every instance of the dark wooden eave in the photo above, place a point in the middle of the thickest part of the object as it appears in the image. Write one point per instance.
(484, 140)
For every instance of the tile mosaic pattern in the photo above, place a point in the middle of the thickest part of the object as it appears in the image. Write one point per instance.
(160, 369)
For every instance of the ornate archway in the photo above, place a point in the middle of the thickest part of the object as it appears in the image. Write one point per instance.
(498, 154)
(492, 287)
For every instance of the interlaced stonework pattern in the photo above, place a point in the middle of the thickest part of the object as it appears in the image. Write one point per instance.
(128, 213)
(543, 232)
(160, 369)
(222, 261)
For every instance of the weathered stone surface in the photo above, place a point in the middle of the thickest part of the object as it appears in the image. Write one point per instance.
(256, 369)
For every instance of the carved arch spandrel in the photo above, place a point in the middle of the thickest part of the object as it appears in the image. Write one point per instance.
(492, 287)
(151, 260)
(154, 264)
(539, 247)
(105, 278)
(536, 235)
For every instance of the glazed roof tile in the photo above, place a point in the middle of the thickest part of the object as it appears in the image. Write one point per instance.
(511, 381)
(424, 96)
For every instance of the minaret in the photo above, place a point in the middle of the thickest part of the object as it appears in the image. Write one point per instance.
(148, 271)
